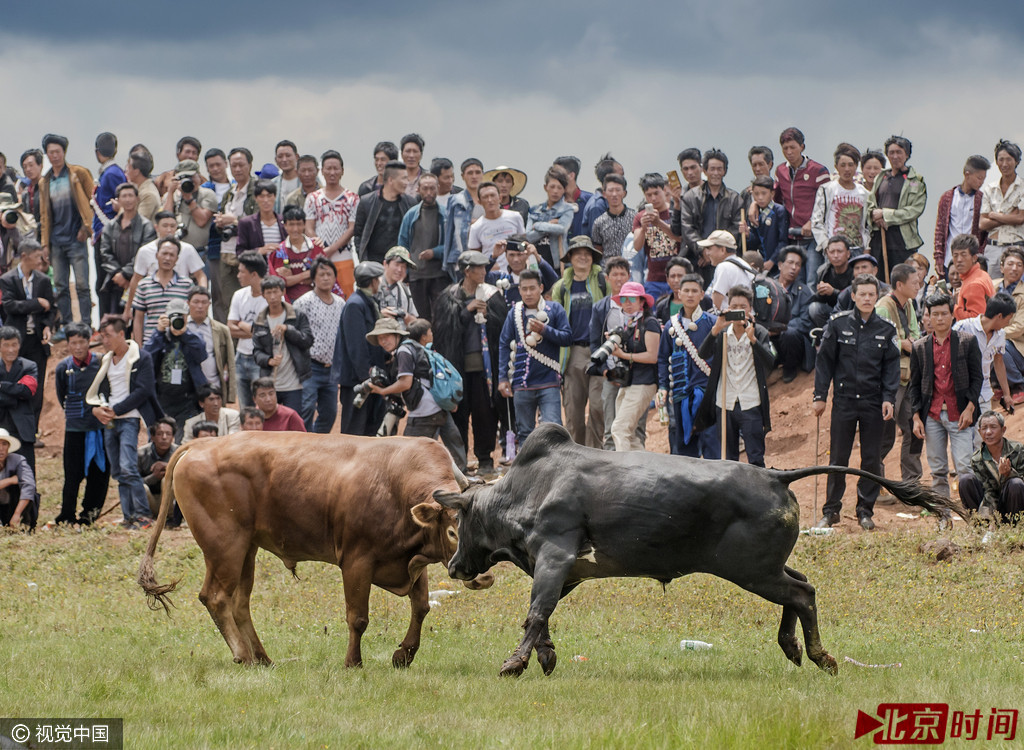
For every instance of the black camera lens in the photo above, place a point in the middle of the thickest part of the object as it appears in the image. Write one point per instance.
(188, 185)
(11, 217)
(178, 322)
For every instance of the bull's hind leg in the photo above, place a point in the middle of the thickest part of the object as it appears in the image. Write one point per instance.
(798, 597)
(787, 628)
(546, 656)
(243, 617)
(217, 594)
(419, 596)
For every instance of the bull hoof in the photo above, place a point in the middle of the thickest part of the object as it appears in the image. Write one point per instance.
(828, 664)
(403, 657)
(264, 661)
(357, 664)
(547, 658)
(793, 651)
(513, 667)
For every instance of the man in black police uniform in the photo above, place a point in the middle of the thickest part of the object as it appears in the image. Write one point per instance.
(860, 355)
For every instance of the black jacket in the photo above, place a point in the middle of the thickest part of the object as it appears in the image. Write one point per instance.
(764, 360)
(141, 385)
(110, 262)
(17, 309)
(366, 217)
(17, 387)
(688, 222)
(451, 319)
(863, 358)
(965, 358)
(298, 337)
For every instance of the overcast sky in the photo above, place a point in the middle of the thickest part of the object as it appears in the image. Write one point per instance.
(520, 83)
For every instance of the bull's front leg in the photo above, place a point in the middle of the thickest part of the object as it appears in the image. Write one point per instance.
(419, 596)
(550, 572)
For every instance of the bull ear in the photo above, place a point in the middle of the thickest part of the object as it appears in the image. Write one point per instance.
(453, 500)
(426, 514)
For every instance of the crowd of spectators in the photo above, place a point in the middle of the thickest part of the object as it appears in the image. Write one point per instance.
(465, 310)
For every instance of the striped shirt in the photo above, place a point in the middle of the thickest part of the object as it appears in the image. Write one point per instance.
(152, 297)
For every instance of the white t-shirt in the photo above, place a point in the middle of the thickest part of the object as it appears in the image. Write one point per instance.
(118, 374)
(728, 274)
(244, 309)
(285, 377)
(846, 212)
(990, 347)
(188, 260)
(484, 233)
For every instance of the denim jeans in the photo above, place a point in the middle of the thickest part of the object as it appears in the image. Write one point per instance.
(936, 431)
(814, 259)
(64, 259)
(246, 371)
(122, 442)
(1014, 362)
(527, 402)
(319, 399)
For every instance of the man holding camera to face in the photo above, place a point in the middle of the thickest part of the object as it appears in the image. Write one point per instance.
(749, 357)
(192, 204)
(178, 358)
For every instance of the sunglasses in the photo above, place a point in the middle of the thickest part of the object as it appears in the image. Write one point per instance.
(629, 299)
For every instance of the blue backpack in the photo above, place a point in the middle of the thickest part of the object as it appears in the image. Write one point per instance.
(445, 380)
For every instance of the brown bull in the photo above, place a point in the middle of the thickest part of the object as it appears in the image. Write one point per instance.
(363, 504)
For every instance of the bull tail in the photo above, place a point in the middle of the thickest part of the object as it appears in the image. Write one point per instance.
(156, 593)
(910, 493)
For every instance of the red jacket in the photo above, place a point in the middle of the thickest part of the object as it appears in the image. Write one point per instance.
(942, 228)
(797, 193)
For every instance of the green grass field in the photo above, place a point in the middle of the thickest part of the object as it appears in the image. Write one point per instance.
(76, 639)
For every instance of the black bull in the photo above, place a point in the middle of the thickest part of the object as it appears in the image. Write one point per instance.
(565, 513)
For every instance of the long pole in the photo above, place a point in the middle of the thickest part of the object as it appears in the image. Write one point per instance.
(817, 461)
(885, 256)
(723, 375)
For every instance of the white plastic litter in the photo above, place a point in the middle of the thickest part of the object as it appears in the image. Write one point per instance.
(442, 593)
(433, 603)
(818, 532)
(688, 645)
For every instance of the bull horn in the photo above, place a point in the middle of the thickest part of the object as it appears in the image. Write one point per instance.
(453, 500)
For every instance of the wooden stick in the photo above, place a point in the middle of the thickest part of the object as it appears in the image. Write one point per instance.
(885, 256)
(724, 375)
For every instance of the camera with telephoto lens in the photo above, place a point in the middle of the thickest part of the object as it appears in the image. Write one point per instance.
(226, 233)
(604, 351)
(11, 217)
(188, 183)
(378, 377)
(178, 321)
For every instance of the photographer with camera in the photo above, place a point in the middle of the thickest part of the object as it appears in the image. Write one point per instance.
(353, 355)
(531, 340)
(15, 226)
(520, 255)
(192, 205)
(637, 374)
(178, 364)
(394, 296)
(281, 340)
(749, 357)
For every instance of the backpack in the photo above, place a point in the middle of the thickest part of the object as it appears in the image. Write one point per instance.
(445, 380)
(772, 306)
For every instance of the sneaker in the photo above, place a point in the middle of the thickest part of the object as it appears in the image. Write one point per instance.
(143, 523)
(788, 377)
(58, 336)
(127, 523)
(866, 523)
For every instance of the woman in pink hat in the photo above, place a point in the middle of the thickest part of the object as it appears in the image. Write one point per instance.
(638, 355)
